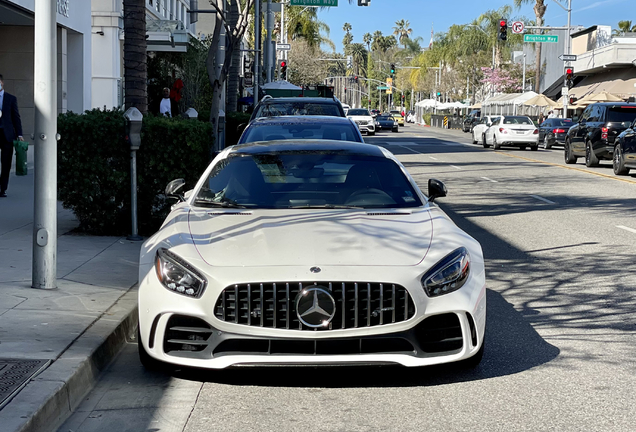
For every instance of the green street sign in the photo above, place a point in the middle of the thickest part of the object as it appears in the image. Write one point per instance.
(316, 3)
(540, 38)
(383, 88)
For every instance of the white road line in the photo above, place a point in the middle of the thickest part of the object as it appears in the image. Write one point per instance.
(632, 230)
(490, 180)
(410, 149)
(456, 167)
(542, 199)
(434, 158)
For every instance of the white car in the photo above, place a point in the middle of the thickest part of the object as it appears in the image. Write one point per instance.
(309, 252)
(363, 118)
(516, 131)
(479, 129)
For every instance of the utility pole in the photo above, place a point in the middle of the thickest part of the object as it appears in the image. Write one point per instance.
(45, 96)
(268, 41)
(523, 80)
(257, 48)
(568, 48)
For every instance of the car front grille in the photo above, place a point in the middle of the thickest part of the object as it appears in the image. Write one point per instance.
(273, 305)
(186, 334)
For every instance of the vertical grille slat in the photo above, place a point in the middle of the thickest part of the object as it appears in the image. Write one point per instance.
(357, 306)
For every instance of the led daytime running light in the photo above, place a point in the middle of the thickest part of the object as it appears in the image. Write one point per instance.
(177, 275)
(448, 275)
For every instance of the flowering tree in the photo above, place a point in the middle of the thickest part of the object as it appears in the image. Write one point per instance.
(501, 80)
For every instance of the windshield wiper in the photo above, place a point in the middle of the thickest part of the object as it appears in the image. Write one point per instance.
(325, 206)
(226, 203)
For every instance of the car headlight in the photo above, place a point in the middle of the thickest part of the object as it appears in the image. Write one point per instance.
(370, 122)
(177, 275)
(448, 275)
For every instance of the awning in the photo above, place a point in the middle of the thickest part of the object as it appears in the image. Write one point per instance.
(619, 82)
(280, 85)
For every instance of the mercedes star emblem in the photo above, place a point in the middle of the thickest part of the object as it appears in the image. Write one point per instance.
(315, 269)
(315, 307)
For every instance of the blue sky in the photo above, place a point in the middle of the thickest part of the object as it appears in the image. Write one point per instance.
(382, 15)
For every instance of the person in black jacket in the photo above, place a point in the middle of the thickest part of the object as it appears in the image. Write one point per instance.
(10, 129)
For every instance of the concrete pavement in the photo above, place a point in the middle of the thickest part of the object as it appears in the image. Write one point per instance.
(69, 334)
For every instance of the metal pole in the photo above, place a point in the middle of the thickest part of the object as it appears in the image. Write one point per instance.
(219, 143)
(523, 80)
(568, 51)
(268, 41)
(133, 196)
(45, 196)
(257, 48)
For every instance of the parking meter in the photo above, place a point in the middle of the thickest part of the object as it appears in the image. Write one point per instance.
(134, 119)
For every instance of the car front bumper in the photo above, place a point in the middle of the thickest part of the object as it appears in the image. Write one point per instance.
(442, 329)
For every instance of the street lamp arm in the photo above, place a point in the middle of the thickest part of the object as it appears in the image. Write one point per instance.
(561, 6)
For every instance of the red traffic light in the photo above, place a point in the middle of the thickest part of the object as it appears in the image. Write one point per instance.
(503, 23)
(283, 64)
(569, 71)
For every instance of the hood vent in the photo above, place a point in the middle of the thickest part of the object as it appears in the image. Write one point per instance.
(389, 214)
(229, 214)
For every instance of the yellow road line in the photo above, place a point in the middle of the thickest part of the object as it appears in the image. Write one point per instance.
(624, 180)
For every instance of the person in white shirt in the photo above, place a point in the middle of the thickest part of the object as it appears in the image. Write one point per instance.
(551, 114)
(165, 107)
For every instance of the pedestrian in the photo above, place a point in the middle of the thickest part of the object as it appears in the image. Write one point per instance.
(165, 107)
(10, 129)
(551, 114)
(541, 118)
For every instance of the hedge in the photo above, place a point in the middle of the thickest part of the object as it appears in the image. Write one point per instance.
(94, 167)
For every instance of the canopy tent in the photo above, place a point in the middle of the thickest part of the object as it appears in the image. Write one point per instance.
(426, 103)
(507, 104)
(280, 85)
(476, 106)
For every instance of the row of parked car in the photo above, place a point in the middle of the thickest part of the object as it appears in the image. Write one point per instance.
(604, 131)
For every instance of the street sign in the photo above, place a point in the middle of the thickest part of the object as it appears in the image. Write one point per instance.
(518, 27)
(540, 38)
(567, 57)
(389, 82)
(283, 47)
(382, 88)
(317, 3)
(248, 79)
(389, 91)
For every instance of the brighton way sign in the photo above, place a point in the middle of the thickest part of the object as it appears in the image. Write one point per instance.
(317, 3)
(540, 38)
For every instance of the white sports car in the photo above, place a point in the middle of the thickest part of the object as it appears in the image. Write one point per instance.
(309, 252)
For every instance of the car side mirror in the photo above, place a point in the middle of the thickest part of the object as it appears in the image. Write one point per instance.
(173, 188)
(489, 124)
(436, 189)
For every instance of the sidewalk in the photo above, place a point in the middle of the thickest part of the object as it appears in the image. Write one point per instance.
(68, 334)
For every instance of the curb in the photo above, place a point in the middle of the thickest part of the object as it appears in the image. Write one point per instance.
(50, 398)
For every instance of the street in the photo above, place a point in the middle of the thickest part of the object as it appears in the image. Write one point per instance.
(559, 243)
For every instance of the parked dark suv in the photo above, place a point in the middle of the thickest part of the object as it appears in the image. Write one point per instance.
(625, 151)
(594, 135)
(471, 120)
(285, 106)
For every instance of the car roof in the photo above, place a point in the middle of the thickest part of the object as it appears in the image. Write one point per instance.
(308, 145)
(300, 120)
(299, 99)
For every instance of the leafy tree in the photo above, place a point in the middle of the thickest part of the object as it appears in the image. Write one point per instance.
(402, 31)
(624, 27)
(303, 23)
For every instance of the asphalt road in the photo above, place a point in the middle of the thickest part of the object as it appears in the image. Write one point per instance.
(560, 247)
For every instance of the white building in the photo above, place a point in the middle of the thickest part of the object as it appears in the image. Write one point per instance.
(74, 55)
(168, 28)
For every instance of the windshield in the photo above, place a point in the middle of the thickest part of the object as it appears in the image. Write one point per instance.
(518, 120)
(396, 112)
(286, 131)
(358, 112)
(625, 115)
(385, 118)
(306, 179)
(298, 108)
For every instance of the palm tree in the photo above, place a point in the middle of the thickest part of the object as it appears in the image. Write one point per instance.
(303, 23)
(347, 27)
(402, 30)
(367, 38)
(135, 55)
(359, 54)
(624, 27)
(539, 11)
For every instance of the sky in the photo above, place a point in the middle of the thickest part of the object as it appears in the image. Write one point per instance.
(422, 14)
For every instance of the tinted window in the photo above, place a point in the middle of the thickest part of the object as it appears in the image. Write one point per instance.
(286, 131)
(358, 112)
(595, 113)
(298, 108)
(625, 114)
(562, 122)
(307, 179)
(385, 118)
(586, 114)
(517, 120)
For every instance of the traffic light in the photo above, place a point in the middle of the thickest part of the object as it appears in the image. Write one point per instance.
(569, 76)
(364, 2)
(439, 94)
(572, 100)
(283, 70)
(392, 69)
(503, 30)
(355, 78)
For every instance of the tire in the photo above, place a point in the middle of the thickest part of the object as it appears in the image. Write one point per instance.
(546, 143)
(495, 145)
(474, 140)
(148, 362)
(590, 158)
(618, 161)
(534, 148)
(567, 153)
(523, 148)
(483, 141)
(395, 130)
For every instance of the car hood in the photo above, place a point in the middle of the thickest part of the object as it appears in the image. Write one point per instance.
(379, 237)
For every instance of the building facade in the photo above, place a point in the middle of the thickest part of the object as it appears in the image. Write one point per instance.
(74, 52)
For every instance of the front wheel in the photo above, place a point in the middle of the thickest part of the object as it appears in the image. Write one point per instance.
(474, 140)
(546, 143)
(619, 161)
(534, 148)
(590, 157)
(568, 154)
(370, 133)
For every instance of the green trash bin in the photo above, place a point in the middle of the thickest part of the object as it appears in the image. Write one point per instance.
(21, 148)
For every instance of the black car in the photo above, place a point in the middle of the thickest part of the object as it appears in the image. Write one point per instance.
(625, 151)
(471, 120)
(553, 131)
(387, 122)
(286, 106)
(301, 127)
(594, 135)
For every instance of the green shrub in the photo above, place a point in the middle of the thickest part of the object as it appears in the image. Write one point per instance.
(427, 118)
(94, 167)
